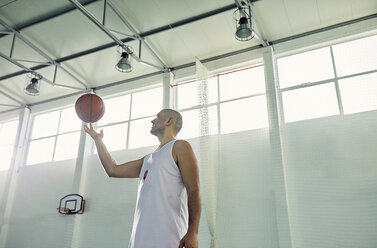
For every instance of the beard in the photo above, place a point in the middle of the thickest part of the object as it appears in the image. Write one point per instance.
(157, 131)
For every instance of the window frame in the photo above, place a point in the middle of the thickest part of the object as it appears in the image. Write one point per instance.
(129, 120)
(335, 80)
(55, 136)
(219, 102)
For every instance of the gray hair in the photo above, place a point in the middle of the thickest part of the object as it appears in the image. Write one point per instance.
(178, 122)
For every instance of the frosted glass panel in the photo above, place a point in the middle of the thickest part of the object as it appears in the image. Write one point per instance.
(67, 146)
(115, 136)
(6, 153)
(359, 93)
(40, 151)
(245, 114)
(188, 93)
(305, 67)
(45, 124)
(116, 110)
(242, 83)
(140, 135)
(191, 123)
(356, 56)
(311, 102)
(69, 121)
(8, 132)
(146, 103)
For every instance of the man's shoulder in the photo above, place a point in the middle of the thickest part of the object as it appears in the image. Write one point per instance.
(181, 143)
(181, 146)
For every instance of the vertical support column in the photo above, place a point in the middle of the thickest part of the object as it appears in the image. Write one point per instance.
(79, 181)
(278, 170)
(11, 183)
(167, 78)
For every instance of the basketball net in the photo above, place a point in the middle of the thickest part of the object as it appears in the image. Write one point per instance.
(209, 170)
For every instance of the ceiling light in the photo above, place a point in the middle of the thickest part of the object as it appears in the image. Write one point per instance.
(124, 62)
(32, 84)
(244, 29)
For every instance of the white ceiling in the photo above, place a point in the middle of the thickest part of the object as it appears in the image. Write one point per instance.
(67, 36)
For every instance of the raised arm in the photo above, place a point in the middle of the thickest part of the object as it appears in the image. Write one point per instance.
(127, 170)
(188, 166)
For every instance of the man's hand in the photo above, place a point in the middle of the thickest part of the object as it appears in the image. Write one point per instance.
(93, 132)
(190, 240)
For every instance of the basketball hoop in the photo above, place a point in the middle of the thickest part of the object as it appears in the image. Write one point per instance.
(64, 210)
(71, 204)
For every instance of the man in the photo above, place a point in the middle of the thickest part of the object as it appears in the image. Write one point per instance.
(168, 203)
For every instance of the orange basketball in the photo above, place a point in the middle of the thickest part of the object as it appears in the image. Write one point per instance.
(90, 108)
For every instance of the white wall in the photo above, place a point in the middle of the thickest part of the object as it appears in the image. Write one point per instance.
(331, 168)
(245, 207)
(34, 220)
(331, 178)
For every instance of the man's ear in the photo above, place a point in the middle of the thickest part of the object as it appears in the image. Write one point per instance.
(169, 121)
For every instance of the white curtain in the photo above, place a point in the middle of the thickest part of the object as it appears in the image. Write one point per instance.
(208, 164)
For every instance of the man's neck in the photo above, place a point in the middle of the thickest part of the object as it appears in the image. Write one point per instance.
(164, 140)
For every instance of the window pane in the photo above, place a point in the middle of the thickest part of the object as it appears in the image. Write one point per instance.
(191, 123)
(245, 114)
(8, 132)
(305, 67)
(359, 93)
(116, 110)
(69, 121)
(188, 94)
(67, 146)
(115, 137)
(146, 103)
(40, 151)
(45, 124)
(6, 153)
(356, 56)
(140, 135)
(242, 83)
(311, 102)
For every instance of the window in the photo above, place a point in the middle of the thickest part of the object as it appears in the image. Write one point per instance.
(308, 81)
(236, 102)
(312, 66)
(312, 102)
(140, 133)
(127, 120)
(244, 114)
(57, 134)
(242, 83)
(115, 136)
(356, 56)
(117, 109)
(8, 134)
(192, 123)
(146, 103)
(188, 93)
(359, 93)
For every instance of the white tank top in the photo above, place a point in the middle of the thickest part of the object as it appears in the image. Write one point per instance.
(161, 214)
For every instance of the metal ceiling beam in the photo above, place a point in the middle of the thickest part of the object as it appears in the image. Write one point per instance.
(23, 67)
(125, 40)
(49, 16)
(123, 19)
(33, 71)
(111, 35)
(181, 23)
(39, 51)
